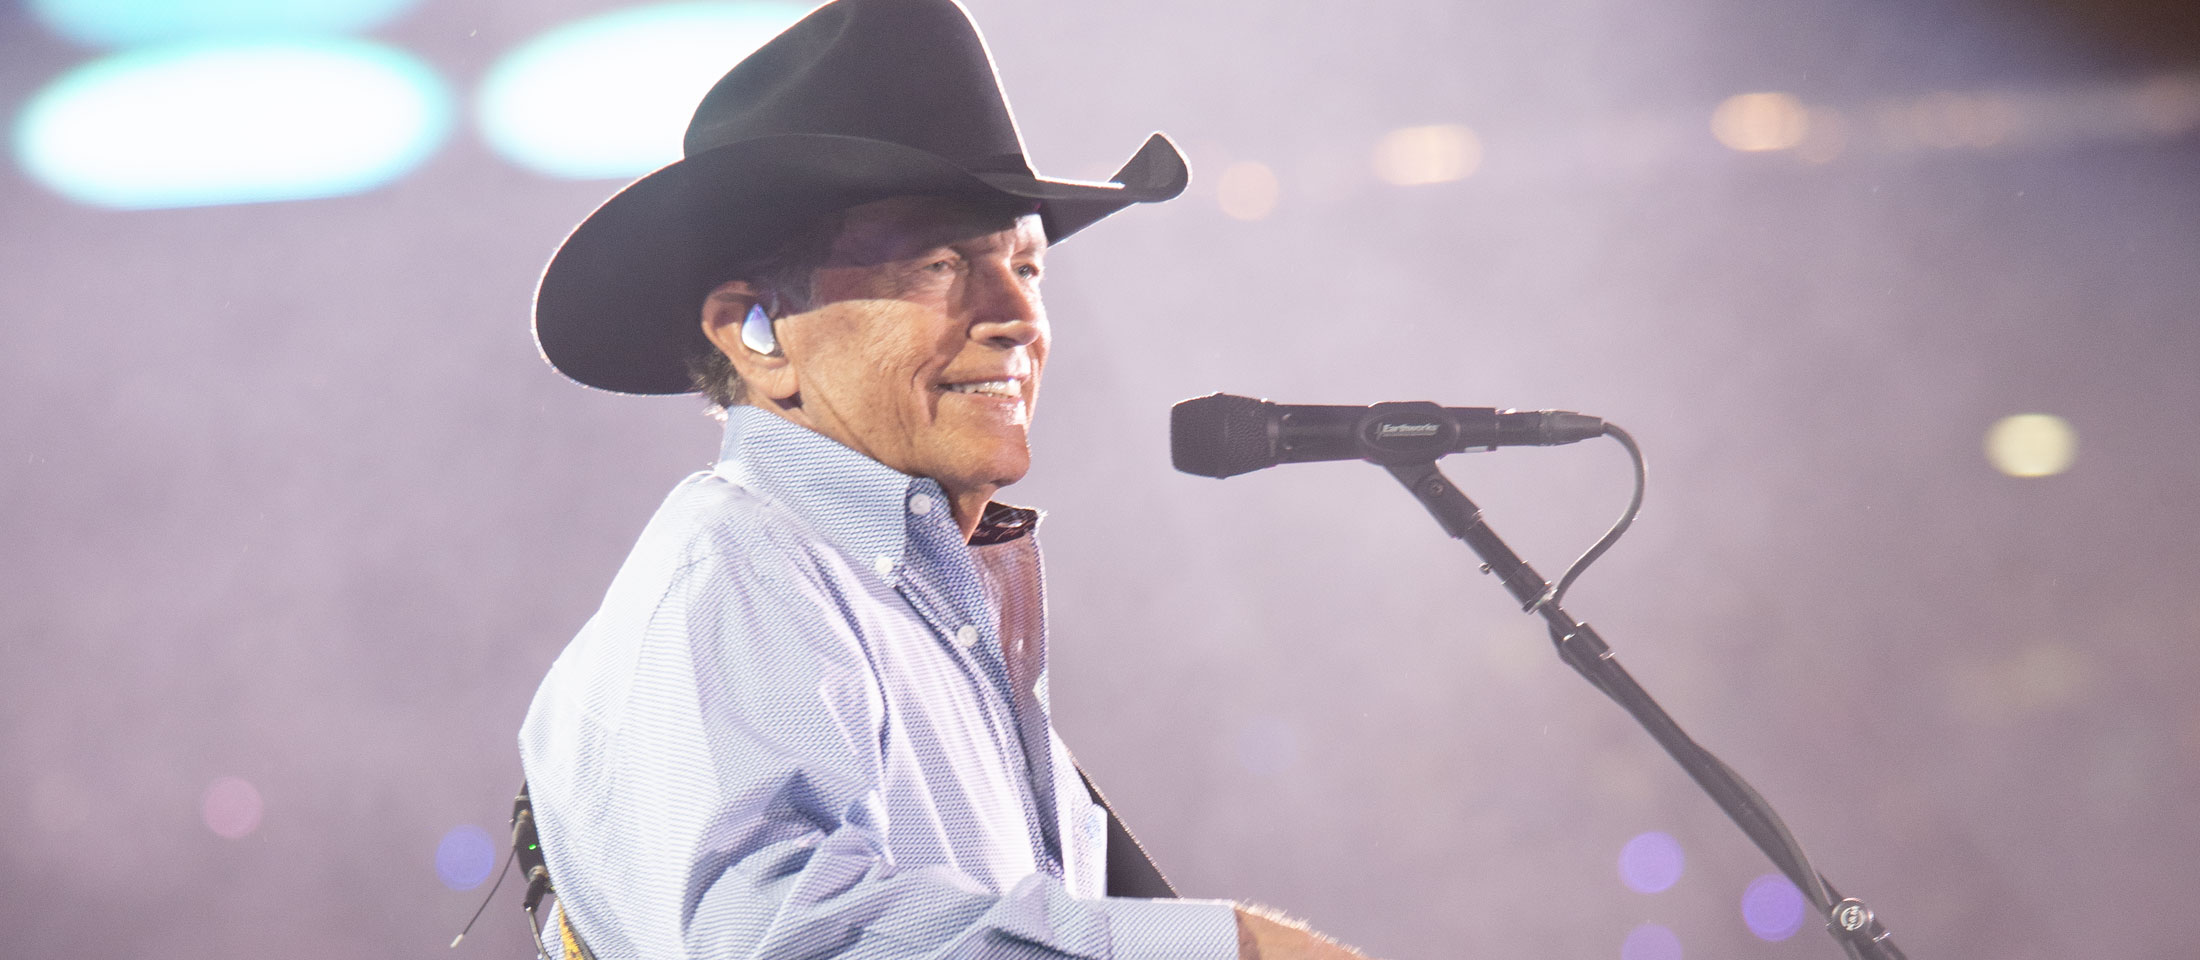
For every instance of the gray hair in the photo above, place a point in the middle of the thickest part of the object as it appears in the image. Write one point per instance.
(786, 283)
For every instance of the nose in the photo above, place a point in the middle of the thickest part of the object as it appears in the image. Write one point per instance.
(1006, 312)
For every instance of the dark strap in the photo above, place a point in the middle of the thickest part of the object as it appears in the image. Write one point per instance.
(1131, 873)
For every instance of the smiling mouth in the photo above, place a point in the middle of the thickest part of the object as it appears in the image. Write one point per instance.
(1008, 389)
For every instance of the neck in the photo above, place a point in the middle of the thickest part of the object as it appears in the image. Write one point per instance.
(969, 506)
(967, 501)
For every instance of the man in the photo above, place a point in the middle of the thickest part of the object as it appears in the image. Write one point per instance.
(810, 718)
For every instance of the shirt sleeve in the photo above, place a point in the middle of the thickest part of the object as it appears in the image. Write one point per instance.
(719, 797)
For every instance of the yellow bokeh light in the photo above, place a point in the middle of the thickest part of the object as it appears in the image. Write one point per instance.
(1248, 190)
(1412, 156)
(1757, 122)
(2031, 445)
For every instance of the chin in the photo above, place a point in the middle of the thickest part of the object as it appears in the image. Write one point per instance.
(975, 459)
(1008, 472)
(998, 470)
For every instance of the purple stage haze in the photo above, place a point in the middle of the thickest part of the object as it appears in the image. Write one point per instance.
(296, 518)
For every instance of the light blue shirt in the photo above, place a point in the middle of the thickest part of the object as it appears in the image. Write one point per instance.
(794, 730)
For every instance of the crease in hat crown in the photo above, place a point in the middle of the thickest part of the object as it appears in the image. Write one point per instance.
(857, 101)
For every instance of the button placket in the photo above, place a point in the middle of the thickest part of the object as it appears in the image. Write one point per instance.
(938, 551)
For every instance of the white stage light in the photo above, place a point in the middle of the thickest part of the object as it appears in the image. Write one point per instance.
(232, 123)
(125, 23)
(609, 97)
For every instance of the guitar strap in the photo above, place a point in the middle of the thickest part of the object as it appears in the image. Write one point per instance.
(574, 948)
(1131, 872)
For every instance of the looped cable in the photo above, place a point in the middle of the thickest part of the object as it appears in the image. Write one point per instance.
(1557, 592)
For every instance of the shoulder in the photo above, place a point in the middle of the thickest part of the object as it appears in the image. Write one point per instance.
(719, 546)
(709, 519)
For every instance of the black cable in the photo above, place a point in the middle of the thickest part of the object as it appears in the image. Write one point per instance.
(1851, 922)
(1776, 835)
(1626, 519)
(1747, 807)
(534, 934)
(492, 895)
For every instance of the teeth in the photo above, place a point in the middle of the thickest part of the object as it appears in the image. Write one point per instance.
(991, 388)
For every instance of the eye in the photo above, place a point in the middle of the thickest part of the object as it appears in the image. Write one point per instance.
(1028, 271)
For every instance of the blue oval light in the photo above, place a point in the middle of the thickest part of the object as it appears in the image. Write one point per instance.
(609, 97)
(1651, 862)
(1650, 941)
(232, 123)
(1773, 908)
(122, 23)
(465, 857)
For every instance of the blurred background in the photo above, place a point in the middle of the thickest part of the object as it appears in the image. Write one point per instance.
(1900, 299)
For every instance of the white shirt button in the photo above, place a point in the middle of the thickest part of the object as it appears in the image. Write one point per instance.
(966, 636)
(922, 504)
(884, 565)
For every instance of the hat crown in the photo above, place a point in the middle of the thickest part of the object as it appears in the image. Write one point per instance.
(858, 101)
(912, 72)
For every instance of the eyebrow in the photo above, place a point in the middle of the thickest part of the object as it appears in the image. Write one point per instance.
(953, 235)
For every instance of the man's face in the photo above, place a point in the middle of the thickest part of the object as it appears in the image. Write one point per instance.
(927, 351)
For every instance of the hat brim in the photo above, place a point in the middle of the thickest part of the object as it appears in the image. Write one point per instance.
(619, 306)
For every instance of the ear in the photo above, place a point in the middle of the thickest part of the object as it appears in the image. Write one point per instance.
(767, 376)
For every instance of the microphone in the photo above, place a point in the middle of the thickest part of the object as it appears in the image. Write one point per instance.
(1223, 435)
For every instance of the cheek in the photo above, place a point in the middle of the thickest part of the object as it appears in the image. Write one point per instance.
(888, 385)
(856, 359)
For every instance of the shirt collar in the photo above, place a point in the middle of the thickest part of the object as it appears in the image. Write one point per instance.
(862, 506)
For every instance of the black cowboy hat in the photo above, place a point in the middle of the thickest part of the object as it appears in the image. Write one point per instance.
(859, 101)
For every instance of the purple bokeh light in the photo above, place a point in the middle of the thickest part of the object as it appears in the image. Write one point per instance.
(465, 857)
(1651, 862)
(1650, 942)
(231, 807)
(1772, 907)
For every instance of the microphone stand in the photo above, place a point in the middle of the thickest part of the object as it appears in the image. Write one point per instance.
(1849, 921)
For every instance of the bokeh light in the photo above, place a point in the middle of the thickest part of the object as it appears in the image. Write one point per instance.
(1413, 156)
(231, 807)
(465, 856)
(610, 96)
(119, 23)
(330, 505)
(2031, 445)
(1772, 907)
(1247, 190)
(1756, 122)
(1651, 862)
(232, 123)
(1650, 942)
